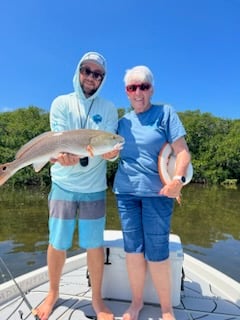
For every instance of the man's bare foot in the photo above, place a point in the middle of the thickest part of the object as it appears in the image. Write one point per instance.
(132, 312)
(102, 311)
(45, 309)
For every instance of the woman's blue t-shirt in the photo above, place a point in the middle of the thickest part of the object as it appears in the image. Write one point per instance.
(145, 134)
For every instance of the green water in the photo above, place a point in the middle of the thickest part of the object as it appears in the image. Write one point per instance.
(208, 223)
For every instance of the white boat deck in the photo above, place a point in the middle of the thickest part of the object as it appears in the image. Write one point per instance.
(208, 294)
(75, 301)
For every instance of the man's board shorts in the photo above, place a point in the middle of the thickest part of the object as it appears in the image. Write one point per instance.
(68, 209)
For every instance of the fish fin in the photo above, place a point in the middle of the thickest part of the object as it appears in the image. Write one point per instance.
(179, 200)
(90, 150)
(39, 165)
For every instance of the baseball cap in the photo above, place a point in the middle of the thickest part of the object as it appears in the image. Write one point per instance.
(94, 57)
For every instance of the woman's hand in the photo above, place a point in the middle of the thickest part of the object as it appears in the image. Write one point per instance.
(172, 189)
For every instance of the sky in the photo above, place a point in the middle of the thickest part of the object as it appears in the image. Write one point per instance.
(191, 46)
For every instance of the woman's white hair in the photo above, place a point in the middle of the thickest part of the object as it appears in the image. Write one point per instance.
(138, 73)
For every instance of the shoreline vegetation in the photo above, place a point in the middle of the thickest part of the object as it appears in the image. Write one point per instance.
(214, 144)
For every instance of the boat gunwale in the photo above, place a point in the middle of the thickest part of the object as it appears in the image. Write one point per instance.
(221, 284)
(35, 278)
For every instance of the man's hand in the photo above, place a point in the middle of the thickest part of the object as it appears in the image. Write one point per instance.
(110, 155)
(66, 159)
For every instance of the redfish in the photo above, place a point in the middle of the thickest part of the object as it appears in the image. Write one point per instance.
(47, 146)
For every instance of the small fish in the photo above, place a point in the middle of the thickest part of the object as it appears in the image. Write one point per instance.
(47, 146)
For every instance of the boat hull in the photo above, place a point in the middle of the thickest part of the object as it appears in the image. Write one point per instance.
(207, 293)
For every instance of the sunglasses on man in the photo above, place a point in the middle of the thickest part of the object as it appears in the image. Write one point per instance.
(86, 71)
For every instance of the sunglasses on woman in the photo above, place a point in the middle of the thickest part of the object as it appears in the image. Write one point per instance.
(86, 71)
(142, 87)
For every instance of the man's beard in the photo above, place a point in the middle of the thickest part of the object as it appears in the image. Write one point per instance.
(88, 93)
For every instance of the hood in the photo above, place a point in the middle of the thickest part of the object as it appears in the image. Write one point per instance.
(76, 84)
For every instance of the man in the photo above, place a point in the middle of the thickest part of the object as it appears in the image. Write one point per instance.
(78, 186)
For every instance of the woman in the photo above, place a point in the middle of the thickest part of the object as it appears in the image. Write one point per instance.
(145, 206)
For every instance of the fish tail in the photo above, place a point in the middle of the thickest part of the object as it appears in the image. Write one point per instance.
(5, 172)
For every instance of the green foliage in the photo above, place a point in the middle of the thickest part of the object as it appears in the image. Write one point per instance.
(17, 128)
(111, 170)
(121, 112)
(214, 144)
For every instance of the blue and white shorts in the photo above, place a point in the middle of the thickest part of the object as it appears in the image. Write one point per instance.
(67, 208)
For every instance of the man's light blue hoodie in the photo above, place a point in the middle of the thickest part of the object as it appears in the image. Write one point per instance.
(69, 112)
